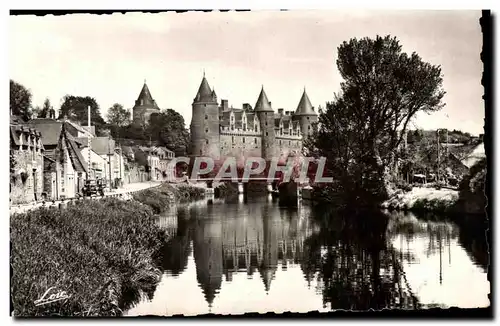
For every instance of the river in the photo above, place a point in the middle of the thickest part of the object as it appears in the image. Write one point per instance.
(240, 256)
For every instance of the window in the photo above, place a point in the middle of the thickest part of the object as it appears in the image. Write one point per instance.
(266, 123)
(266, 133)
(289, 143)
(206, 117)
(204, 105)
(309, 127)
(207, 141)
(232, 139)
(280, 142)
(206, 130)
(243, 140)
(255, 140)
(307, 118)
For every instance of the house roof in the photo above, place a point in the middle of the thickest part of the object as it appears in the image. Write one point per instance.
(78, 127)
(305, 107)
(50, 130)
(262, 102)
(163, 148)
(77, 159)
(475, 156)
(13, 136)
(102, 145)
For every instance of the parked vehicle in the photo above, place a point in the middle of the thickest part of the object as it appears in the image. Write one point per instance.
(92, 187)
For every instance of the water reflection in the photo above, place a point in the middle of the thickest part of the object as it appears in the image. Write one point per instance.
(237, 256)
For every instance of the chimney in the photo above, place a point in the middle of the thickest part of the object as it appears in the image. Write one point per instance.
(224, 105)
(280, 111)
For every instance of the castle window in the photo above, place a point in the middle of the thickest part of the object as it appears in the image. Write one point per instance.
(232, 138)
(243, 140)
(309, 127)
(207, 141)
(204, 105)
(266, 123)
(267, 133)
(206, 130)
(206, 117)
(307, 118)
(255, 140)
(280, 142)
(289, 143)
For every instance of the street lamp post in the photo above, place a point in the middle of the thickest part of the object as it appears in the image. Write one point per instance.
(109, 163)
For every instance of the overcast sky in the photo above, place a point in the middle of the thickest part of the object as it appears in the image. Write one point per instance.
(108, 57)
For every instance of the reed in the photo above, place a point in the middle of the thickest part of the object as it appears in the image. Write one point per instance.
(99, 252)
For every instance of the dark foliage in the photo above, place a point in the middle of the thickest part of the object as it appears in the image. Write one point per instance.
(360, 130)
(20, 101)
(76, 108)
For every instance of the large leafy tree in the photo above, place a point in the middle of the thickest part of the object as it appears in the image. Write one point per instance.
(361, 129)
(20, 100)
(117, 118)
(76, 108)
(44, 111)
(168, 128)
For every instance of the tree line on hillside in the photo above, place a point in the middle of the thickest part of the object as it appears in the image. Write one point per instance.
(166, 128)
(454, 136)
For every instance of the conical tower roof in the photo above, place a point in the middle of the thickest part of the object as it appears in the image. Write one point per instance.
(267, 275)
(262, 102)
(145, 98)
(305, 107)
(204, 92)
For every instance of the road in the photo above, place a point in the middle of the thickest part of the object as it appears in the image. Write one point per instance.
(127, 188)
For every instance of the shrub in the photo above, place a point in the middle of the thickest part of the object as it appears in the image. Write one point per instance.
(161, 197)
(99, 253)
(403, 185)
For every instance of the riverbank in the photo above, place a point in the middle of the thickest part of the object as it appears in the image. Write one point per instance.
(161, 197)
(423, 200)
(99, 252)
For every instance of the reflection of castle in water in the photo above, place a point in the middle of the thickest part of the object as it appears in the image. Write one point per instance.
(252, 240)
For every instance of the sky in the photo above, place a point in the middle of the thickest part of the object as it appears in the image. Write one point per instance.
(109, 57)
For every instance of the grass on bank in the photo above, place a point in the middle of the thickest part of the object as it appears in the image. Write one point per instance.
(99, 252)
(161, 197)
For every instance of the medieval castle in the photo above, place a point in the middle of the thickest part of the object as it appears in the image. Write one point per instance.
(220, 131)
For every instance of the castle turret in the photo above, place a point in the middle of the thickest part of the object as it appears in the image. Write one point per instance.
(266, 117)
(205, 136)
(305, 114)
(144, 106)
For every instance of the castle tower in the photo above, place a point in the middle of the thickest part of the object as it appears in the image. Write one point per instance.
(205, 136)
(144, 106)
(305, 115)
(266, 117)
